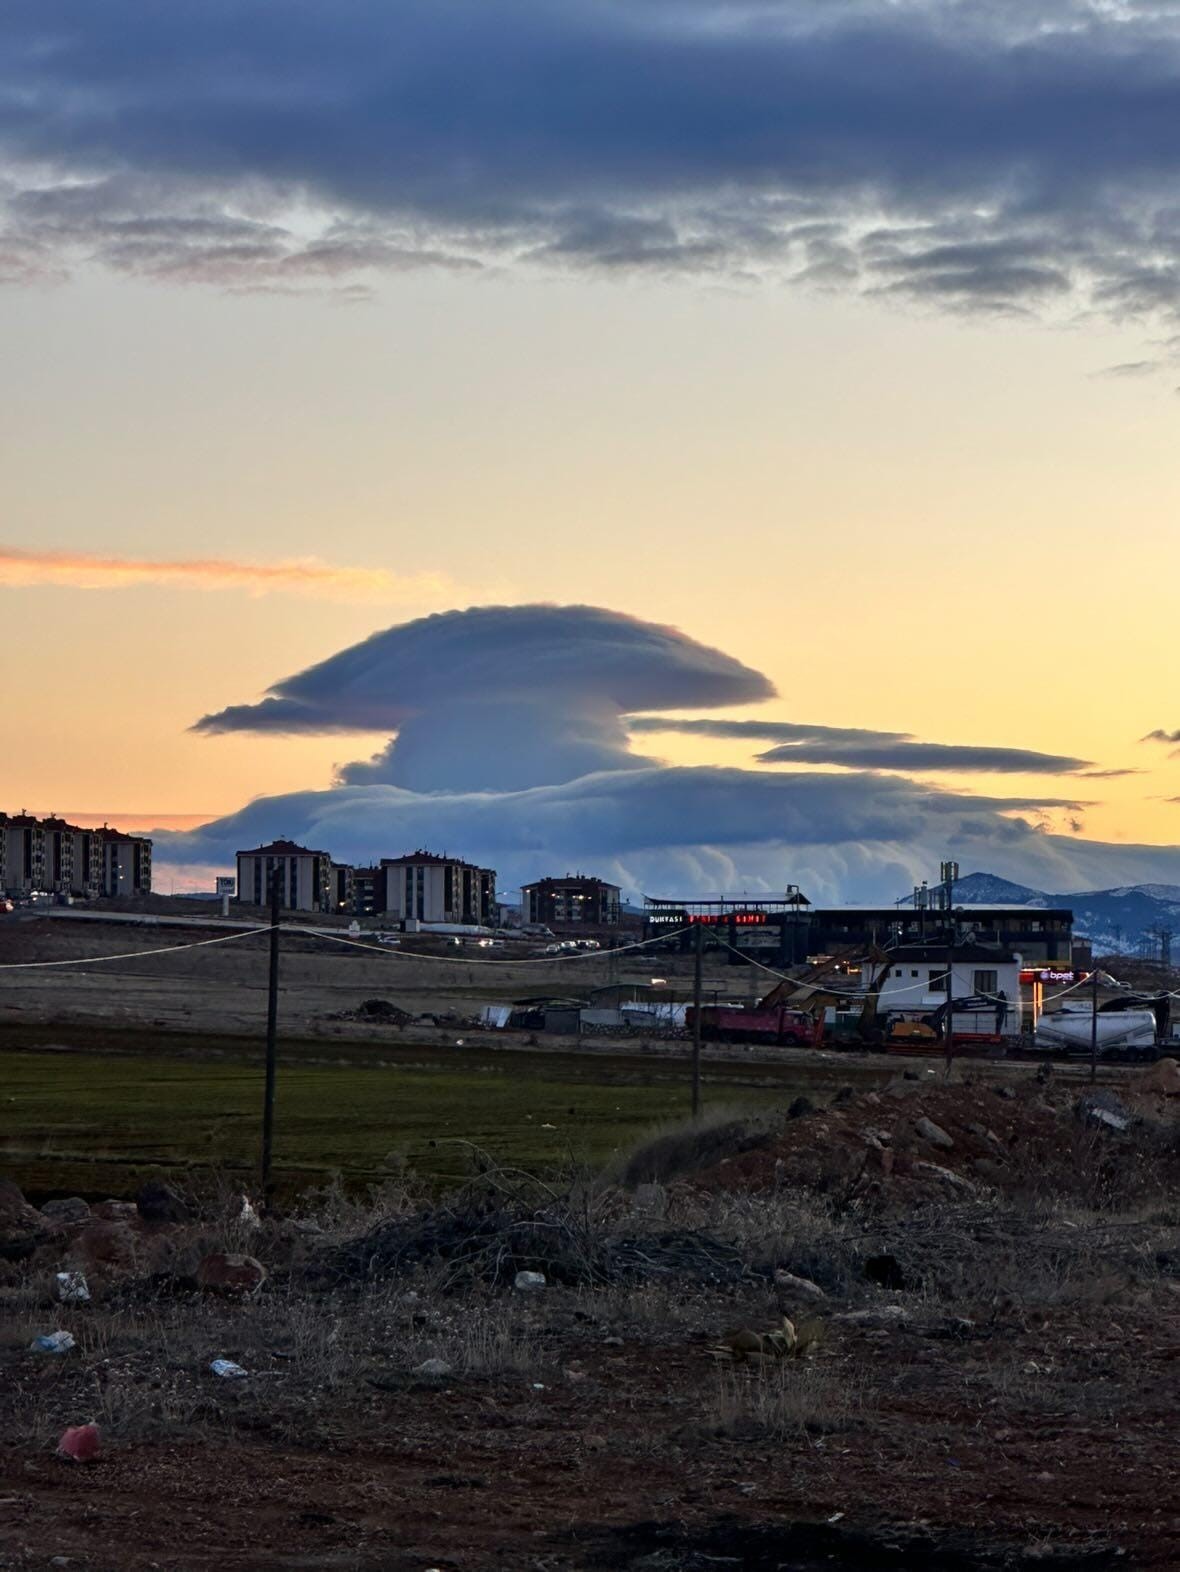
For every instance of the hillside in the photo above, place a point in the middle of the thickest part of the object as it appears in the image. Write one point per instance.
(1126, 919)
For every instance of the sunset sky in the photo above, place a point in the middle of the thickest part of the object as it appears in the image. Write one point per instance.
(843, 337)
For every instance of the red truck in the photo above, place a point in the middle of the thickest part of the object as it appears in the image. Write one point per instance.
(765, 1024)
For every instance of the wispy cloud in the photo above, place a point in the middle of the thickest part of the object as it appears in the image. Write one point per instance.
(289, 576)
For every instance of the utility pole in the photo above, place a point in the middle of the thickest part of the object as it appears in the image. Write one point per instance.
(1093, 1025)
(272, 1032)
(696, 1020)
(950, 872)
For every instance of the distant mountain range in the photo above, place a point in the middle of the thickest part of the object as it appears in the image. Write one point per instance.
(1127, 920)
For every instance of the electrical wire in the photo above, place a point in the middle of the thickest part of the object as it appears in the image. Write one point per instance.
(131, 955)
(393, 954)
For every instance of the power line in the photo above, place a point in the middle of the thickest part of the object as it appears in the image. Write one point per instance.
(130, 955)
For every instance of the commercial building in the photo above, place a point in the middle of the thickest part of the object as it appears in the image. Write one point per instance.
(304, 876)
(573, 902)
(789, 931)
(426, 887)
(55, 857)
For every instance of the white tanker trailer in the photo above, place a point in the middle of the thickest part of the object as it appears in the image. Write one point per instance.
(1122, 1034)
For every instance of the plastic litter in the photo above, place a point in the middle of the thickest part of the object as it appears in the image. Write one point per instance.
(228, 1370)
(53, 1343)
(72, 1288)
(248, 1216)
(80, 1443)
(528, 1281)
(433, 1367)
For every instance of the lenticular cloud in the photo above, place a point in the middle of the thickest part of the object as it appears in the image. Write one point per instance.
(510, 746)
(499, 698)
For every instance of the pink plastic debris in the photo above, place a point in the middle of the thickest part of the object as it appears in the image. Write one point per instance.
(79, 1442)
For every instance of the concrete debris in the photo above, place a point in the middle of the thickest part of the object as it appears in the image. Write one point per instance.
(1102, 1109)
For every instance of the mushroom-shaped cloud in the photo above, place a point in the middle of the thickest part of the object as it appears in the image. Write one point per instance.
(499, 698)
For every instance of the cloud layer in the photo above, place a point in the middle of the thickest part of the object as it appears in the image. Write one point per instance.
(858, 749)
(512, 749)
(300, 576)
(1009, 155)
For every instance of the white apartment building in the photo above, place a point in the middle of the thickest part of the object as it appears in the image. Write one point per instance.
(305, 876)
(429, 888)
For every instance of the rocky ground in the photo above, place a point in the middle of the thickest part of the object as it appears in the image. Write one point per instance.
(993, 1275)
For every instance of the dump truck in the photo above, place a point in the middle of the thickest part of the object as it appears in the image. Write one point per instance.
(775, 1023)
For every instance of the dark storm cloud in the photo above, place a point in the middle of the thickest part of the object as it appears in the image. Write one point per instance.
(1160, 735)
(857, 748)
(984, 155)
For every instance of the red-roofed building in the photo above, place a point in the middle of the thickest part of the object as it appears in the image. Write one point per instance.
(304, 875)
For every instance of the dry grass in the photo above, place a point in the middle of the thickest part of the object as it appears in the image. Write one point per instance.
(778, 1400)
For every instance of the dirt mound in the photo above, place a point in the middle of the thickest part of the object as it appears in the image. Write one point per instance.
(913, 1142)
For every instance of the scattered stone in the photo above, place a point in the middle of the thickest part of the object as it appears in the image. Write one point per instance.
(651, 1197)
(879, 1317)
(1163, 1077)
(845, 1095)
(934, 1133)
(70, 1209)
(158, 1202)
(800, 1108)
(1004, 1091)
(103, 1246)
(802, 1287)
(953, 1180)
(433, 1367)
(529, 1282)
(116, 1211)
(22, 1227)
(225, 1272)
(885, 1270)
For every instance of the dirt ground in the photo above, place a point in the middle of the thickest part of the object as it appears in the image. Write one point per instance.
(222, 987)
(994, 1383)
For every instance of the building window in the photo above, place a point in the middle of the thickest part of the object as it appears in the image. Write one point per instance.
(897, 971)
(937, 982)
(913, 971)
(987, 982)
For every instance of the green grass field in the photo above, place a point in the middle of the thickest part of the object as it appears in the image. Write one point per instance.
(95, 1122)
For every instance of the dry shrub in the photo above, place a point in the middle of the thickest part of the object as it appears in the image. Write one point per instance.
(674, 1150)
(778, 1400)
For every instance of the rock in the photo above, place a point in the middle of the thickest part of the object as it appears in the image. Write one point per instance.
(1004, 1091)
(952, 1180)
(224, 1272)
(800, 1108)
(651, 1198)
(529, 1282)
(22, 1227)
(158, 1202)
(433, 1367)
(845, 1095)
(106, 1246)
(71, 1209)
(1163, 1077)
(934, 1133)
(885, 1270)
(116, 1211)
(879, 1317)
(801, 1287)
(882, 1157)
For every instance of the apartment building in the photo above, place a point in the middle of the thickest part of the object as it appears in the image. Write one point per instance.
(305, 876)
(426, 887)
(58, 858)
(575, 901)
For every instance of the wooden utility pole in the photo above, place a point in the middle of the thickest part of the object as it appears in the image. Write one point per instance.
(1093, 1025)
(696, 1020)
(950, 872)
(272, 1034)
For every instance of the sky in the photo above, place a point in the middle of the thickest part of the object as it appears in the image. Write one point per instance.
(843, 338)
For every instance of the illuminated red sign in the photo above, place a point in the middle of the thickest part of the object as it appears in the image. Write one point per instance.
(739, 919)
